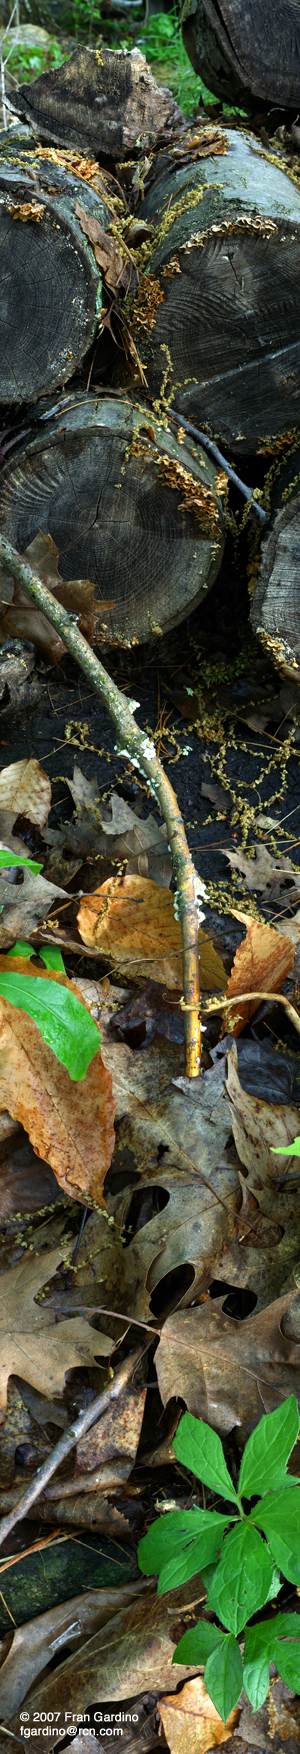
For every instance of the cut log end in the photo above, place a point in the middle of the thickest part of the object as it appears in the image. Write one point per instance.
(275, 612)
(249, 54)
(127, 506)
(100, 100)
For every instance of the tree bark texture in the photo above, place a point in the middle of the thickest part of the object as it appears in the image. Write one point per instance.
(246, 50)
(275, 612)
(224, 336)
(128, 506)
(100, 100)
(51, 286)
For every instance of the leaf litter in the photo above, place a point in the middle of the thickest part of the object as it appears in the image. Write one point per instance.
(191, 1207)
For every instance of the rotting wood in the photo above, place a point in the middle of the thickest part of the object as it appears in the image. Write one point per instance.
(223, 343)
(275, 610)
(249, 54)
(127, 506)
(100, 100)
(51, 282)
(140, 751)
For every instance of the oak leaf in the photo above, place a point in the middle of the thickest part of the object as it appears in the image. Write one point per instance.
(70, 1125)
(26, 790)
(32, 1344)
(134, 925)
(230, 1372)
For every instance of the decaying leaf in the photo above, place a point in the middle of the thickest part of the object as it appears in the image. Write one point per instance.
(273, 878)
(22, 620)
(230, 1372)
(190, 1720)
(121, 1660)
(26, 1183)
(34, 1644)
(262, 962)
(132, 922)
(70, 1125)
(114, 830)
(114, 260)
(186, 1234)
(26, 790)
(263, 1258)
(31, 1344)
(20, 687)
(24, 906)
(106, 1454)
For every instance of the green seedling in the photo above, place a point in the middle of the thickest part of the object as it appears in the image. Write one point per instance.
(240, 1554)
(66, 1027)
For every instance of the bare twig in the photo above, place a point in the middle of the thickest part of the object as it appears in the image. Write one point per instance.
(208, 445)
(67, 1441)
(138, 749)
(275, 998)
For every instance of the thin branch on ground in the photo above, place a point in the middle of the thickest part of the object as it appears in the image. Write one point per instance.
(273, 999)
(140, 751)
(213, 451)
(68, 1441)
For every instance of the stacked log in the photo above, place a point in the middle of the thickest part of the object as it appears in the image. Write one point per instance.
(225, 271)
(247, 54)
(102, 101)
(129, 507)
(51, 281)
(275, 612)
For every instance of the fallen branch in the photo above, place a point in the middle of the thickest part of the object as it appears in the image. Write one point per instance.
(67, 1442)
(275, 998)
(139, 749)
(213, 450)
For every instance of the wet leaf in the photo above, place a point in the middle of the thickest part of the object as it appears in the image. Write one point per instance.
(23, 1322)
(22, 620)
(36, 1642)
(25, 789)
(262, 962)
(23, 906)
(114, 261)
(115, 831)
(106, 1454)
(191, 1722)
(134, 926)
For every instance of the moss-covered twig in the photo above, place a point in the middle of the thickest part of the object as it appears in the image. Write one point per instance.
(139, 749)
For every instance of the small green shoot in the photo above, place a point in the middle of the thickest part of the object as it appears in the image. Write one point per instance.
(241, 1569)
(66, 1027)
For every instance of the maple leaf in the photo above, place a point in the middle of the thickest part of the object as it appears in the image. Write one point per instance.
(32, 1344)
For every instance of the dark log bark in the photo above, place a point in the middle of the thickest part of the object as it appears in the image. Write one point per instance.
(51, 287)
(103, 101)
(127, 506)
(225, 336)
(246, 50)
(275, 612)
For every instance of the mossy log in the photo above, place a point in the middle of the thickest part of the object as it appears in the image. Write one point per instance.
(217, 317)
(275, 612)
(103, 101)
(247, 53)
(128, 507)
(51, 286)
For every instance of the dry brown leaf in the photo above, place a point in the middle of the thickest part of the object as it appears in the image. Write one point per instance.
(128, 1655)
(24, 905)
(26, 1183)
(262, 962)
(191, 1722)
(272, 877)
(35, 1643)
(230, 1372)
(116, 266)
(115, 831)
(132, 923)
(32, 1345)
(70, 1124)
(190, 1231)
(22, 620)
(26, 790)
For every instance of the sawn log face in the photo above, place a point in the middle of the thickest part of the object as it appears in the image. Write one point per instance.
(246, 51)
(103, 101)
(275, 612)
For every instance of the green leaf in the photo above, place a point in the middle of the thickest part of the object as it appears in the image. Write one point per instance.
(64, 1023)
(179, 1543)
(21, 948)
(244, 1578)
(268, 1449)
(197, 1644)
(8, 858)
(286, 1650)
(52, 957)
(223, 1676)
(262, 1646)
(200, 1449)
(279, 1517)
(292, 1150)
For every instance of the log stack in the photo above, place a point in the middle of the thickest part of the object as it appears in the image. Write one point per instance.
(198, 280)
(247, 54)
